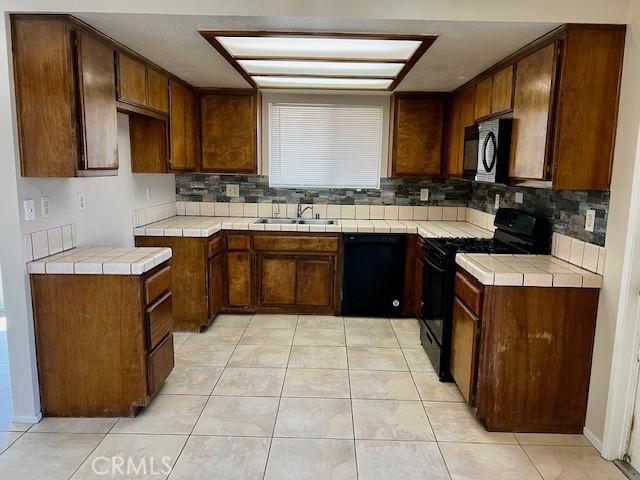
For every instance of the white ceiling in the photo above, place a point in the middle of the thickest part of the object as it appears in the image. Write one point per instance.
(462, 50)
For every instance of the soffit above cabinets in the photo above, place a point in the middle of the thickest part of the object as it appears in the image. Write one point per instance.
(350, 61)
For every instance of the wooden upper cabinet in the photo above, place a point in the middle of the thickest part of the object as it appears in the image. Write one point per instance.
(157, 91)
(417, 135)
(97, 103)
(132, 80)
(502, 90)
(229, 132)
(65, 99)
(483, 98)
(531, 114)
(461, 115)
(588, 95)
(182, 121)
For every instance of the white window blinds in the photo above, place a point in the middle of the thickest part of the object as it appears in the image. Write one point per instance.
(325, 145)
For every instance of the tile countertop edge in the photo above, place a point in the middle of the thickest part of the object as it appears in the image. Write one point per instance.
(97, 261)
(536, 271)
(185, 226)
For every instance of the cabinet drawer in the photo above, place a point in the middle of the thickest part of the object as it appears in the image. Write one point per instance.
(159, 320)
(469, 292)
(160, 364)
(238, 242)
(286, 243)
(157, 284)
(215, 245)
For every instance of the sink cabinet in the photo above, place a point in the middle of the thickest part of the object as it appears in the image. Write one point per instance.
(521, 356)
(104, 342)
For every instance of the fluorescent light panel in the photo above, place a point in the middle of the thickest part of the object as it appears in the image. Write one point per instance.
(344, 69)
(322, 82)
(317, 47)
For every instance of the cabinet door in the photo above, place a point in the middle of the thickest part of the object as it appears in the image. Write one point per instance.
(239, 279)
(97, 104)
(502, 90)
(182, 128)
(314, 281)
(216, 284)
(454, 133)
(132, 80)
(148, 140)
(157, 91)
(417, 135)
(464, 349)
(483, 98)
(229, 132)
(531, 111)
(45, 97)
(277, 280)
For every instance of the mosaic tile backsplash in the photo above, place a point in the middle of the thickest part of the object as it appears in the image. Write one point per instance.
(255, 189)
(564, 208)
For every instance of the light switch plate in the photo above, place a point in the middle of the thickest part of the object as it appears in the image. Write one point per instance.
(46, 207)
(29, 210)
(497, 201)
(590, 220)
(424, 194)
(82, 202)
(233, 190)
(519, 197)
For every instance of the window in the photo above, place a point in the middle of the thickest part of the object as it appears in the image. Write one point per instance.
(325, 145)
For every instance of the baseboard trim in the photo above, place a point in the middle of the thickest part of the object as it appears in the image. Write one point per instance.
(595, 441)
(27, 418)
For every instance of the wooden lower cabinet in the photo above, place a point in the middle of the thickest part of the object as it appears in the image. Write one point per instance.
(104, 342)
(239, 280)
(197, 277)
(296, 282)
(522, 355)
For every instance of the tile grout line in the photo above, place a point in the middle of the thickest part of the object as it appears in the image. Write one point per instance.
(353, 421)
(275, 420)
(190, 434)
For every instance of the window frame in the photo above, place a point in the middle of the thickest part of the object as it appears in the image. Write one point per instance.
(339, 98)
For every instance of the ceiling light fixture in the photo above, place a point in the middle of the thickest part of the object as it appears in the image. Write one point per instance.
(306, 60)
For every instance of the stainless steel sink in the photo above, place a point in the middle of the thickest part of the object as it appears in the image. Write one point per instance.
(316, 221)
(294, 221)
(280, 221)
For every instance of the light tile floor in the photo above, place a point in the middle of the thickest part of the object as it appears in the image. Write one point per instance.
(277, 397)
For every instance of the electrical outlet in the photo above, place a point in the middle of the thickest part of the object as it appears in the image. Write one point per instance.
(424, 194)
(233, 190)
(148, 192)
(519, 197)
(590, 220)
(46, 210)
(29, 210)
(496, 203)
(82, 202)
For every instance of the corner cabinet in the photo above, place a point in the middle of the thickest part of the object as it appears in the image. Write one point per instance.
(418, 128)
(65, 98)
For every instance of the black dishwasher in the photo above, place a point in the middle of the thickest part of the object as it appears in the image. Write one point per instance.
(373, 274)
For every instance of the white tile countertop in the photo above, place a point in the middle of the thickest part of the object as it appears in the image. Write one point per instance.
(526, 270)
(196, 226)
(102, 261)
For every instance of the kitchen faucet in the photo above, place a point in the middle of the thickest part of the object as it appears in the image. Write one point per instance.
(302, 210)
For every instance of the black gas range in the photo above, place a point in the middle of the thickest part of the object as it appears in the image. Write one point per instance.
(516, 233)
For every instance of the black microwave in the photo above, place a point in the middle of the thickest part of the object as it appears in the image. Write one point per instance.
(486, 150)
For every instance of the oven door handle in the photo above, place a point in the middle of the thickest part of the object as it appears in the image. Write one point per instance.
(433, 265)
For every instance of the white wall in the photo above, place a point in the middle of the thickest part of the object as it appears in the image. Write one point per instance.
(107, 219)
